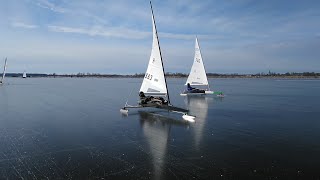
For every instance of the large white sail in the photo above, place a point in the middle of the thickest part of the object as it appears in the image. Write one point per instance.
(197, 74)
(154, 82)
(4, 70)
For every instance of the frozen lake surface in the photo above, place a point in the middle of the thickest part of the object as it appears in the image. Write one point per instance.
(71, 128)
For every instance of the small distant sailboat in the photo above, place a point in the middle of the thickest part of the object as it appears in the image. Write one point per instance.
(24, 75)
(198, 77)
(154, 85)
(4, 71)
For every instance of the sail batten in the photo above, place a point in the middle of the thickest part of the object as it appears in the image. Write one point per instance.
(197, 74)
(154, 82)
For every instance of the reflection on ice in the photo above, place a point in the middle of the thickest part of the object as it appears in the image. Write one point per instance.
(156, 129)
(198, 106)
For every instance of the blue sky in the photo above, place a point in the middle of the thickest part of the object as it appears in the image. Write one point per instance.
(107, 36)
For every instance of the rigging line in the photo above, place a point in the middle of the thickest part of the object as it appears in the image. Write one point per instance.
(128, 97)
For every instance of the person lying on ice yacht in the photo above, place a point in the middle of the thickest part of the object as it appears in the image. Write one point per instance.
(150, 99)
(194, 90)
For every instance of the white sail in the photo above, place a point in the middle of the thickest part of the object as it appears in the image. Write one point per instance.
(4, 70)
(24, 75)
(197, 74)
(154, 82)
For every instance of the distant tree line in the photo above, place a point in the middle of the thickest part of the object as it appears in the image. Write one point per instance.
(175, 75)
(28, 75)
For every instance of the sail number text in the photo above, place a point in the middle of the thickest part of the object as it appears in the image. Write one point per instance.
(148, 76)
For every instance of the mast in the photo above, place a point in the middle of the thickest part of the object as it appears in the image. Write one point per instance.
(4, 70)
(154, 22)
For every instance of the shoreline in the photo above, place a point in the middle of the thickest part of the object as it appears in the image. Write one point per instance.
(175, 77)
(293, 75)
